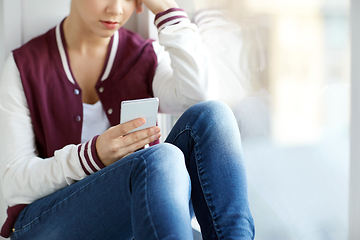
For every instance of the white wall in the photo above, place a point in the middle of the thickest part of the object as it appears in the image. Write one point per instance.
(40, 15)
(2, 58)
(11, 25)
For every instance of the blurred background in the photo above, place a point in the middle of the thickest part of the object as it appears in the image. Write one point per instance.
(284, 68)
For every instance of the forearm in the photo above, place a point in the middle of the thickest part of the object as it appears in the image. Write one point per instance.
(184, 74)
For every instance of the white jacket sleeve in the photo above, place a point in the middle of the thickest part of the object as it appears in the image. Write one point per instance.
(184, 74)
(24, 176)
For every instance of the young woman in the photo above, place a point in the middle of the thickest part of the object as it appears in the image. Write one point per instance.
(69, 170)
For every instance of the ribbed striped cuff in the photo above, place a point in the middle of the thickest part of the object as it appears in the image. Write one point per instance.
(170, 17)
(88, 157)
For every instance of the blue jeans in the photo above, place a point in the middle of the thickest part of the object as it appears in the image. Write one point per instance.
(150, 193)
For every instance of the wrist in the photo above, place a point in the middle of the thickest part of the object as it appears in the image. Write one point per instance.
(170, 17)
(88, 157)
(166, 5)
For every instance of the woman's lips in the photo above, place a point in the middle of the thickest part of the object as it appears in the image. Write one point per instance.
(110, 25)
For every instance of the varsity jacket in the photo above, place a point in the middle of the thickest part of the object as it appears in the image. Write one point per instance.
(41, 109)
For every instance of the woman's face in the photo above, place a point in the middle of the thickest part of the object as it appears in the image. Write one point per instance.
(102, 17)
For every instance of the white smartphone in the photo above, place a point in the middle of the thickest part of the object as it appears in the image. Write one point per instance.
(146, 108)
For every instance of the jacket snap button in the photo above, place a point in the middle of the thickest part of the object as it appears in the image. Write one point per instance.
(101, 89)
(77, 118)
(110, 111)
(76, 91)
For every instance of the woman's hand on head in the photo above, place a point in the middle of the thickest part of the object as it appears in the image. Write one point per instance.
(156, 6)
(115, 143)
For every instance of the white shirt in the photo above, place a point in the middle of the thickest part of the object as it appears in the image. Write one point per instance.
(95, 121)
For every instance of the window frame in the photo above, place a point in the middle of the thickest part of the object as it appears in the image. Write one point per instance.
(354, 184)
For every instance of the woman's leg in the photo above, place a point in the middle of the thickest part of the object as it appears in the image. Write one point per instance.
(208, 135)
(145, 195)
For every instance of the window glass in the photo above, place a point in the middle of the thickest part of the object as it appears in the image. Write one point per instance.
(284, 69)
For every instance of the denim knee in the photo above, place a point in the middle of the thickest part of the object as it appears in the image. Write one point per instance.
(168, 159)
(214, 113)
(211, 109)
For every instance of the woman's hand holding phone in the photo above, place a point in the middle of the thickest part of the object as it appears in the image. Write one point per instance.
(117, 142)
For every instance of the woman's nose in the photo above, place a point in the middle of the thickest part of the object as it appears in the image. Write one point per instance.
(115, 7)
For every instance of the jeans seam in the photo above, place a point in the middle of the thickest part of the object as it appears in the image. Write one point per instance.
(194, 137)
(147, 200)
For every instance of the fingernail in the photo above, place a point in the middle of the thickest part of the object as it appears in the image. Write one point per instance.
(141, 121)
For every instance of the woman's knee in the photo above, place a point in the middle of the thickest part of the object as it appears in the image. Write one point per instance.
(168, 151)
(212, 109)
(166, 166)
(167, 158)
(215, 114)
